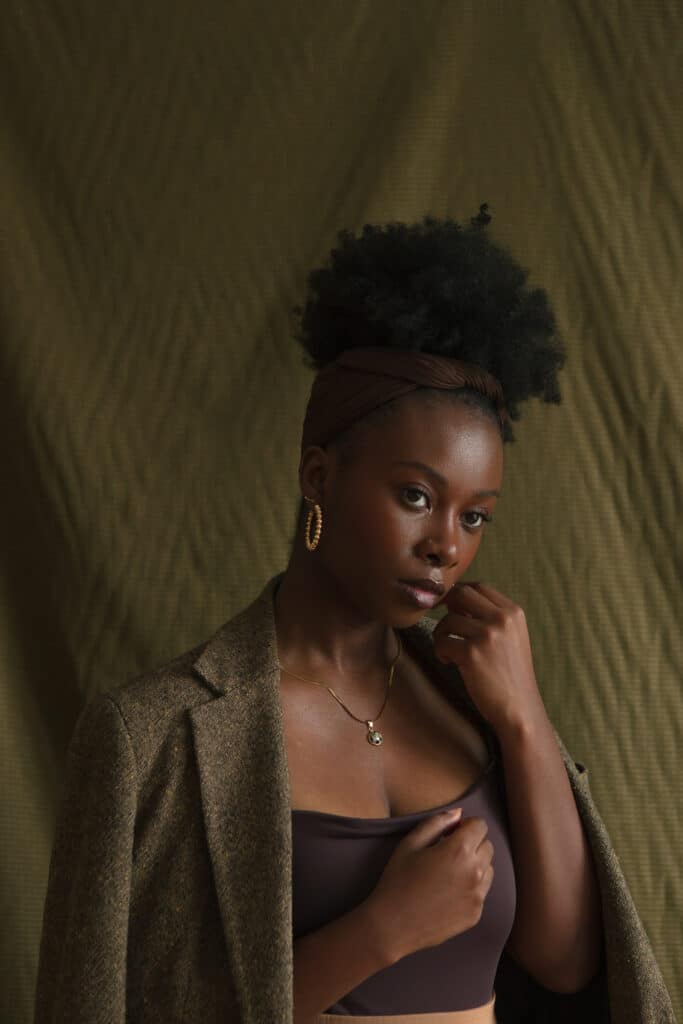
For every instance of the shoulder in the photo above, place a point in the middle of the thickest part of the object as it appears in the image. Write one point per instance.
(163, 690)
(147, 711)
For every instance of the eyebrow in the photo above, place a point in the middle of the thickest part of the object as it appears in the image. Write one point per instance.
(442, 479)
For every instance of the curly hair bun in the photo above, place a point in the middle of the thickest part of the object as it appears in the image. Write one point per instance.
(435, 286)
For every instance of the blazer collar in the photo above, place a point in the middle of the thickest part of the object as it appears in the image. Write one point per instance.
(245, 793)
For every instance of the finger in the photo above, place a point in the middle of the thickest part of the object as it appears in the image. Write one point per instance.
(451, 647)
(489, 593)
(461, 625)
(469, 597)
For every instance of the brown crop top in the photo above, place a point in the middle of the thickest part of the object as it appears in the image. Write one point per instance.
(337, 861)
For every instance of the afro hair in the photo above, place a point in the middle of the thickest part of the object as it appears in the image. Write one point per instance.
(436, 287)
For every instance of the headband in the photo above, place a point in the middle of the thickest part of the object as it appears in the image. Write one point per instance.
(360, 379)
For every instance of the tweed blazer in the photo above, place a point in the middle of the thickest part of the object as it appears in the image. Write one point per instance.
(169, 894)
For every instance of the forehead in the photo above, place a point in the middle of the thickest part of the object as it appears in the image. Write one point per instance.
(459, 441)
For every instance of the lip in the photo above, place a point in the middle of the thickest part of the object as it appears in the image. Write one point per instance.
(420, 596)
(427, 583)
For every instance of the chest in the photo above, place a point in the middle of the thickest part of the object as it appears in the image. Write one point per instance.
(430, 754)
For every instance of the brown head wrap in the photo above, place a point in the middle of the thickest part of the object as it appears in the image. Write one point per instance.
(360, 379)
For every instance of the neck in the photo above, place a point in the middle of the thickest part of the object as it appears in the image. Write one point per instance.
(321, 633)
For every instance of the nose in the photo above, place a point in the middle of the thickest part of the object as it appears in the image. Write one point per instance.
(442, 551)
(441, 557)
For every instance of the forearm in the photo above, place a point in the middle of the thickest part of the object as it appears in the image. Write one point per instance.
(557, 934)
(331, 961)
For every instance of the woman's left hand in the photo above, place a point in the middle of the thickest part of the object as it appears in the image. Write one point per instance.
(494, 659)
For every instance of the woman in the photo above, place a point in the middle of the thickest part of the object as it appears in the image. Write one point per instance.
(254, 832)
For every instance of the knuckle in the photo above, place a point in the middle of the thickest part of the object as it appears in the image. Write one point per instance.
(474, 911)
(515, 617)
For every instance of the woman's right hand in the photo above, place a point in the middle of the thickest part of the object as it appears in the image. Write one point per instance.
(434, 884)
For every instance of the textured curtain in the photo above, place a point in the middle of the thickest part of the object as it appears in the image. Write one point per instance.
(169, 172)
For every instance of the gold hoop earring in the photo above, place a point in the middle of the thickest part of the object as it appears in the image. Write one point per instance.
(312, 544)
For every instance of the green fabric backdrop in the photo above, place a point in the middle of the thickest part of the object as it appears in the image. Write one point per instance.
(169, 173)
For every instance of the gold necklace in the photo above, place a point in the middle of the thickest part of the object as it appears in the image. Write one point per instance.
(373, 735)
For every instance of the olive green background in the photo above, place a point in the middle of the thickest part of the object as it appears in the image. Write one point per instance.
(169, 172)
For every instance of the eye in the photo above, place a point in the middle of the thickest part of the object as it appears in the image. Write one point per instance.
(415, 490)
(486, 517)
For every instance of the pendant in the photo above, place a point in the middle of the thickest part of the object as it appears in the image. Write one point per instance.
(373, 735)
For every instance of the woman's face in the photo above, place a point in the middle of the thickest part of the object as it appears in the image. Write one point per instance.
(384, 522)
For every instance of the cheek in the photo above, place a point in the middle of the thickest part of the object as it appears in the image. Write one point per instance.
(387, 537)
(377, 529)
(391, 533)
(467, 552)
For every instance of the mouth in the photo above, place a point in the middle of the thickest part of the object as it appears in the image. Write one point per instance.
(420, 596)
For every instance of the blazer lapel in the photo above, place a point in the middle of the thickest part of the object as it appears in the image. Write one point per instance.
(241, 760)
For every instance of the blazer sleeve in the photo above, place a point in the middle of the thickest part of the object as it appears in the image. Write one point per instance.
(629, 986)
(82, 960)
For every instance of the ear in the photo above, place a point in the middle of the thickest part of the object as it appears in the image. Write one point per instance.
(313, 469)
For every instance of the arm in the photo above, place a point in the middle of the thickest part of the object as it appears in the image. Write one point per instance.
(557, 934)
(334, 959)
(82, 959)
